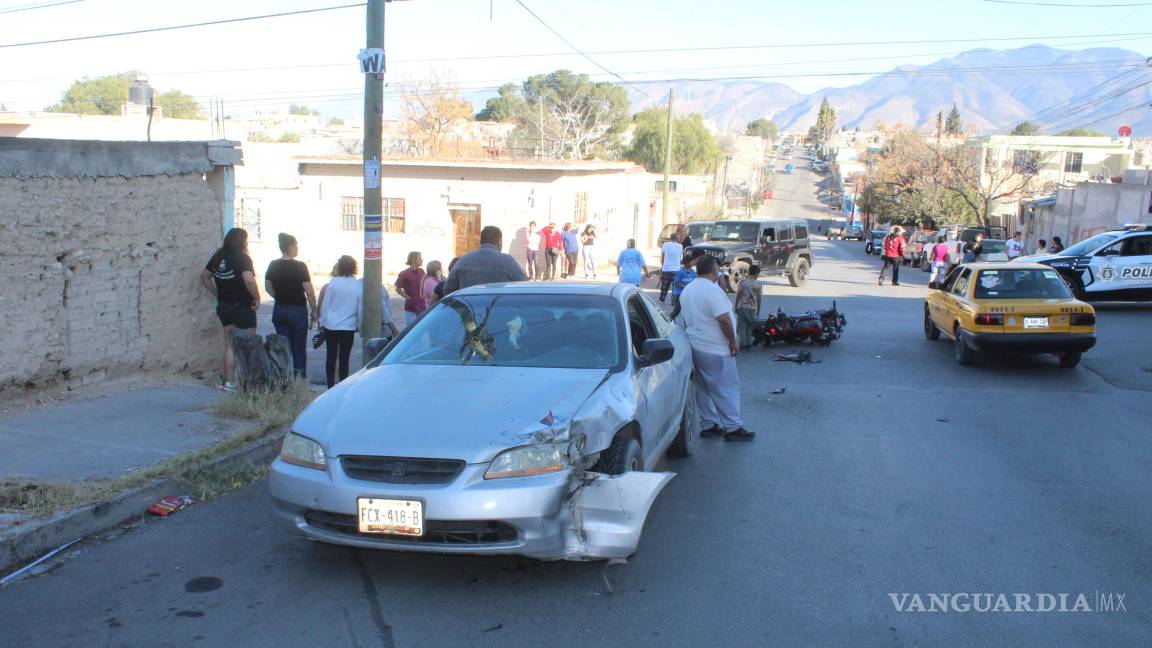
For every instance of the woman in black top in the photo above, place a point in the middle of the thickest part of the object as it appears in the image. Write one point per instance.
(290, 284)
(228, 276)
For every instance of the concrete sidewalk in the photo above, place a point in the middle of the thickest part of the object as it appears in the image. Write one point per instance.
(108, 436)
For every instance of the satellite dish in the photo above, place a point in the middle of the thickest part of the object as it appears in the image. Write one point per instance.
(1125, 131)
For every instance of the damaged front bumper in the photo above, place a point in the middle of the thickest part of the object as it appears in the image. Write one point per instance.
(569, 515)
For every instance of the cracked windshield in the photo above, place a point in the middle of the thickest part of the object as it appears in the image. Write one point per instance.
(529, 323)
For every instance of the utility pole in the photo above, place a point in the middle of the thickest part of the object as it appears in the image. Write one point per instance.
(667, 159)
(373, 124)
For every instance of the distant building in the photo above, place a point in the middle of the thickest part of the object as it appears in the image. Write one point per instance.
(1085, 210)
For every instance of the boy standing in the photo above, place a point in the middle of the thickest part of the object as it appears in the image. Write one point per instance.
(747, 306)
(684, 276)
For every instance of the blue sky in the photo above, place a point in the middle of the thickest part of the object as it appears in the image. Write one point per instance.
(314, 56)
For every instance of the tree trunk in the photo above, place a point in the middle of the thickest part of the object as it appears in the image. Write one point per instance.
(260, 364)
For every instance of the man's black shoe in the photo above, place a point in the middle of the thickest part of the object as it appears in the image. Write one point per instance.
(713, 431)
(739, 434)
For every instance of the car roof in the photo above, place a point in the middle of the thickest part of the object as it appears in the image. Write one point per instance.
(1006, 265)
(550, 288)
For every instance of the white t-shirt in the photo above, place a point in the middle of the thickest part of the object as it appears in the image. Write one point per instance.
(1014, 248)
(672, 253)
(701, 302)
(343, 305)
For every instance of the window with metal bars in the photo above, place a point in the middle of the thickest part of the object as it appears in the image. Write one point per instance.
(580, 213)
(351, 213)
(394, 215)
(248, 216)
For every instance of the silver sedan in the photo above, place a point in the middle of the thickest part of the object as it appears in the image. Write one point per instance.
(511, 419)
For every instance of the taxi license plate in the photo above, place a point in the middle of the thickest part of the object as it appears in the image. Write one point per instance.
(396, 517)
(1035, 322)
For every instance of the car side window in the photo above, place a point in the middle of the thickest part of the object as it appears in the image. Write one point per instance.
(785, 233)
(950, 280)
(640, 326)
(961, 285)
(1138, 246)
(769, 234)
(664, 324)
(801, 232)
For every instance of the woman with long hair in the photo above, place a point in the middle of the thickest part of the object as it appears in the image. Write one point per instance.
(341, 307)
(228, 275)
(435, 274)
(290, 284)
(588, 239)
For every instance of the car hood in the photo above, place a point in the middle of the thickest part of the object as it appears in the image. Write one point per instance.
(445, 412)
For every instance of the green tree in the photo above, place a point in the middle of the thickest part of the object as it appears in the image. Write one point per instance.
(107, 95)
(177, 105)
(694, 150)
(301, 109)
(1027, 128)
(764, 128)
(508, 106)
(580, 116)
(335, 121)
(825, 126)
(1080, 132)
(953, 125)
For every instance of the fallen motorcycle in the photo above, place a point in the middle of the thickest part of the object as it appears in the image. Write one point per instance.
(817, 327)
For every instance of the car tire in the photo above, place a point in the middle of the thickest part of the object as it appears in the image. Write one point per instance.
(799, 275)
(924, 265)
(930, 330)
(1070, 359)
(685, 441)
(965, 355)
(620, 457)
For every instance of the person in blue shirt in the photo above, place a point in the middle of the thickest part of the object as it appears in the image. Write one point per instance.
(571, 250)
(630, 264)
(684, 276)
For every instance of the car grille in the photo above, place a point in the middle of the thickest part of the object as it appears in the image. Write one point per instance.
(401, 470)
(436, 532)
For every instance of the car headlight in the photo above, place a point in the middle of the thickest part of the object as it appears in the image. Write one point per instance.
(530, 460)
(302, 451)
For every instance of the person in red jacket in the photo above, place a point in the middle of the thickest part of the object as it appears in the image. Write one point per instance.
(553, 248)
(894, 247)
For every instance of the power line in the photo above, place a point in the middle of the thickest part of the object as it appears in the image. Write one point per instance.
(38, 5)
(1115, 114)
(174, 27)
(576, 49)
(1071, 5)
(1046, 112)
(1091, 104)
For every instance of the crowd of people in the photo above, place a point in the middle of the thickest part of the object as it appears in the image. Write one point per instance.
(699, 302)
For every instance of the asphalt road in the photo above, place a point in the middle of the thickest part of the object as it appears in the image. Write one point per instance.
(883, 469)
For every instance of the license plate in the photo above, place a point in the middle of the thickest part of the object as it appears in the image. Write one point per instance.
(1035, 322)
(396, 517)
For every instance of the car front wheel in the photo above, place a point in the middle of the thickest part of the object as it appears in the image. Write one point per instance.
(799, 275)
(620, 457)
(930, 330)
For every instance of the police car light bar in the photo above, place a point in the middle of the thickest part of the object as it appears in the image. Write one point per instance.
(1137, 227)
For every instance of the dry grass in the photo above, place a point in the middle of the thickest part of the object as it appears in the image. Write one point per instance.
(269, 409)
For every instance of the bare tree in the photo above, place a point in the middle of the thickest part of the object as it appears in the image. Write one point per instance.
(434, 113)
(982, 179)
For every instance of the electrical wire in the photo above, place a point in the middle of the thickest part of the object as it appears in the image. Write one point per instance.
(1092, 104)
(39, 5)
(1115, 114)
(151, 30)
(576, 49)
(1071, 5)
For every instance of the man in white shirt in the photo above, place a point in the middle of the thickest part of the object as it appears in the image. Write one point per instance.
(1014, 247)
(670, 254)
(711, 327)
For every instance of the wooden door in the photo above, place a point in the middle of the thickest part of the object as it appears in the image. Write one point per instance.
(466, 223)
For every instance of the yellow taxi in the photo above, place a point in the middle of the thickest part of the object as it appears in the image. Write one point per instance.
(1015, 307)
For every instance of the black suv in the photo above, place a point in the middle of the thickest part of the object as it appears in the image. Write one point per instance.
(780, 246)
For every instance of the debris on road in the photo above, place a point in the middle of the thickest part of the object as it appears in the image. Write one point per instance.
(32, 565)
(799, 357)
(169, 505)
(780, 391)
(498, 626)
(942, 420)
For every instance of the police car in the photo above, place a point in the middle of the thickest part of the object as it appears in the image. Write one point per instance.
(1112, 266)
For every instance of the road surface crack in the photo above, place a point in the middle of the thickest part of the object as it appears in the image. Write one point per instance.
(373, 596)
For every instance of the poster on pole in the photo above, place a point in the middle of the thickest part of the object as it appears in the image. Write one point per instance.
(372, 60)
(372, 174)
(373, 245)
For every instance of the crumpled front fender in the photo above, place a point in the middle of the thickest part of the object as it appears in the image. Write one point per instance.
(608, 513)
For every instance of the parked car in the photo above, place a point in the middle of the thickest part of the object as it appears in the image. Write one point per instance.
(697, 232)
(854, 233)
(563, 398)
(1016, 307)
(957, 236)
(919, 243)
(875, 243)
(1112, 266)
(992, 250)
(779, 246)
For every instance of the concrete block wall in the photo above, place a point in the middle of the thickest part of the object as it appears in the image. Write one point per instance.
(99, 278)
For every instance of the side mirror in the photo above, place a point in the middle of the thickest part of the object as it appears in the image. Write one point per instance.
(656, 350)
(376, 345)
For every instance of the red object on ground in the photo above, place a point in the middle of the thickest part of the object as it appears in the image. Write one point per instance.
(169, 505)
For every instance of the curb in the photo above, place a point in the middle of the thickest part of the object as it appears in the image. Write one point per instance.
(29, 541)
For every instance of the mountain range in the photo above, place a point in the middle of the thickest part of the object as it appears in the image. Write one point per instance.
(993, 89)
